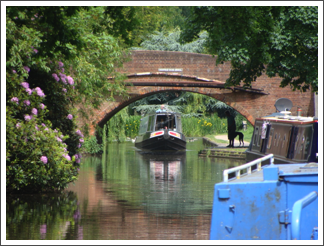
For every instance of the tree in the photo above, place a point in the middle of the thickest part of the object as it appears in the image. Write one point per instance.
(275, 40)
(170, 41)
(55, 55)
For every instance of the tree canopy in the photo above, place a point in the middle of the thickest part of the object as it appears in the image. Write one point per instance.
(272, 40)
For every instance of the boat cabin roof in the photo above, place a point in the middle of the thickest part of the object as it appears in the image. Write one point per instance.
(286, 118)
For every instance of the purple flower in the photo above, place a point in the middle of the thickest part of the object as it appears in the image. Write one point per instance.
(14, 71)
(62, 70)
(58, 139)
(79, 145)
(81, 140)
(34, 111)
(39, 92)
(25, 85)
(43, 124)
(73, 87)
(62, 136)
(60, 64)
(76, 156)
(65, 150)
(46, 129)
(70, 80)
(15, 99)
(64, 90)
(37, 128)
(67, 157)
(42, 106)
(27, 69)
(70, 116)
(27, 117)
(18, 125)
(27, 102)
(56, 77)
(29, 91)
(36, 51)
(44, 159)
(55, 130)
(78, 132)
(63, 77)
(78, 161)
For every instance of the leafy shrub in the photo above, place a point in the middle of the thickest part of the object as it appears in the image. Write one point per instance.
(91, 146)
(42, 142)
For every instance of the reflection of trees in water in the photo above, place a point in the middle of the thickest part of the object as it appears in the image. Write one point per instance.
(49, 216)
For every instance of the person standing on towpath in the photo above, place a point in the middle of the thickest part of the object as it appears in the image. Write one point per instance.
(231, 128)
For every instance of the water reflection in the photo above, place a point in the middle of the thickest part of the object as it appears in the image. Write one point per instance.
(125, 195)
(50, 216)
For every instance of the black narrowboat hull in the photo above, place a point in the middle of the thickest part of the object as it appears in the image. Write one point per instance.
(161, 140)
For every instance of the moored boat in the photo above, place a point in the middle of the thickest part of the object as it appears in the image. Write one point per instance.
(291, 139)
(161, 130)
(271, 202)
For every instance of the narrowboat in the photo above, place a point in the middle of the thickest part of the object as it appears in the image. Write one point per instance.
(291, 139)
(270, 202)
(161, 130)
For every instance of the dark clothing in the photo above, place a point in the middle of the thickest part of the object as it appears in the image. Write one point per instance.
(231, 127)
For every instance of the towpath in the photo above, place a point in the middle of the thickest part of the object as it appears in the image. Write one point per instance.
(236, 141)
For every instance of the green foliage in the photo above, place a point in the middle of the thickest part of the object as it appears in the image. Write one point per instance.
(273, 40)
(156, 18)
(91, 146)
(202, 126)
(41, 136)
(98, 58)
(170, 41)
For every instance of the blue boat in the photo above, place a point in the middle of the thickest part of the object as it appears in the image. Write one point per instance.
(269, 202)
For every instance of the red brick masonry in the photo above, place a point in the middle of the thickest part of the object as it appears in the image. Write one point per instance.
(174, 67)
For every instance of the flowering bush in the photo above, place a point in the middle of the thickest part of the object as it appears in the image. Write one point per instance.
(39, 149)
(42, 140)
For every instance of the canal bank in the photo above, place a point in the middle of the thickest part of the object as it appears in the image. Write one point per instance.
(217, 147)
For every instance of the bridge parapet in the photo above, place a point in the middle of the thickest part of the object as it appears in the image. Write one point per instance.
(150, 72)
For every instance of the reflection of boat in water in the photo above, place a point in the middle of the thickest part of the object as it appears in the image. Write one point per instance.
(291, 139)
(161, 131)
(162, 170)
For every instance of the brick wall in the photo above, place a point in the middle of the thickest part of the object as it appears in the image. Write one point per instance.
(197, 67)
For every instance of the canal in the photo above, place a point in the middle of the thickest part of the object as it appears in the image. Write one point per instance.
(125, 195)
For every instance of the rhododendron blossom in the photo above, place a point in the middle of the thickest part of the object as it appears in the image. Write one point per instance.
(34, 111)
(25, 85)
(15, 99)
(27, 69)
(70, 80)
(29, 91)
(39, 92)
(27, 102)
(27, 117)
(44, 159)
(56, 77)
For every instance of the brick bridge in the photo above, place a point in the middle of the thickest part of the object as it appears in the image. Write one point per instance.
(152, 72)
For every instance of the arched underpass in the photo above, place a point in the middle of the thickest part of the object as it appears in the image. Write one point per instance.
(152, 72)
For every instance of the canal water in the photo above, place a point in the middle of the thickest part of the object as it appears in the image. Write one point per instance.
(125, 195)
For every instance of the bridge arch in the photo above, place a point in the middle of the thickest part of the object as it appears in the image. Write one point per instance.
(150, 72)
